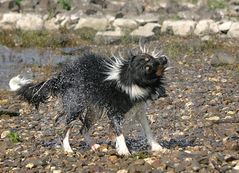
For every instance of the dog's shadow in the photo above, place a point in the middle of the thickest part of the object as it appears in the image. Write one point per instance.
(134, 145)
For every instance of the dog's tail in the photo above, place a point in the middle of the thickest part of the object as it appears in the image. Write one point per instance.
(33, 93)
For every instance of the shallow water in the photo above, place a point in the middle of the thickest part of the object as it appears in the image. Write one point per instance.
(19, 61)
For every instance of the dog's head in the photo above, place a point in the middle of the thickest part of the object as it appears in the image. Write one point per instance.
(145, 69)
(139, 75)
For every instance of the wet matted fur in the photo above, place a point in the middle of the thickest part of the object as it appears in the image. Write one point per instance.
(94, 85)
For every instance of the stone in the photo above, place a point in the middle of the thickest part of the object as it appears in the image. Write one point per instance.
(133, 7)
(188, 15)
(184, 28)
(234, 30)
(122, 171)
(50, 24)
(223, 58)
(181, 27)
(224, 26)
(167, 26)
(195, 165)
(147, 18)
(205, 27)
(31, 22)
(98, 24)
(30, 165)
(9, 20)
(5, 133)
(108, 37)
(125, 23)
(213, 118)
(146, 31)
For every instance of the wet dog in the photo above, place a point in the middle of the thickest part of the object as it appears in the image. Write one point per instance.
(94, 85)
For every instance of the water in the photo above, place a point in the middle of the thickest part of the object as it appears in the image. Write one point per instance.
(19, 61)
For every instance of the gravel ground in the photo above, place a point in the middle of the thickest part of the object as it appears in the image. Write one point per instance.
(197, 122)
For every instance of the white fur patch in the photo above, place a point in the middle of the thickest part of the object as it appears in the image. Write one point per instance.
(66, 144)
(121, 147)
(17, 82)
(134, 91)
(114, 68)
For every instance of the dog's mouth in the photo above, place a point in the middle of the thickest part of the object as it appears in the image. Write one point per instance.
(163, 66)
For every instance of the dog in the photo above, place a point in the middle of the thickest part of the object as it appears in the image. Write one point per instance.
(94, 85)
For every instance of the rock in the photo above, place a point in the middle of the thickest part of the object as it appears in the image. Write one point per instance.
(213, 118)
(147, 18)
(146, 31)
(99, 24)
(133, 7)
(195, 165)
(224, 26)
(5, 133)
(188, 15)
(50, 24)
(205, 27)
(122, 171)
(230, 158)
(223, 58)
(9, 20)
(30, 165)
(125, 24)
(108, 37)
(234, 30)
(236, 167)
(30, 22)
(181, 27)
(167, 26)
(113, 158)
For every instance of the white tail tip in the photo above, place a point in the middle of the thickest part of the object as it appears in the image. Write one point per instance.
(17, 82)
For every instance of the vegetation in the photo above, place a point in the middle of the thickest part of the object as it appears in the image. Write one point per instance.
(18, 2)
(13, 137)
(214, 4)
(65, 4)
(44, 38)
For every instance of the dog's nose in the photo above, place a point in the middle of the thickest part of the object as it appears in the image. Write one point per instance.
(163, 59)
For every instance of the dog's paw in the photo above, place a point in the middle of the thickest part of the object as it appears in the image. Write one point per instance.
(156, 147)
(68, 150)
(123, 151)
(66, 147)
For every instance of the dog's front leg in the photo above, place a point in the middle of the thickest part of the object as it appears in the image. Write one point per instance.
(141, 117)
(121, 147)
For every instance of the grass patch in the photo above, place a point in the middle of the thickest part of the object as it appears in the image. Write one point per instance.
(44, 38)
(14, 137)
(216, 4)
(65, 4)
(140, 155)
(87, 34)
(175, 46)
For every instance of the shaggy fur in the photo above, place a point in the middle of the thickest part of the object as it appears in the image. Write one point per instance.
(94, 85)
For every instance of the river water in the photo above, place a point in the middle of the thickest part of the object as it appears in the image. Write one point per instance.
(19, 61)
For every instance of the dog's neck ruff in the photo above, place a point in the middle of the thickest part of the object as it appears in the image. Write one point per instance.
(113, 74)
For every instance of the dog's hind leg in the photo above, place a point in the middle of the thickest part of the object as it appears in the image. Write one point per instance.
(116, 122)
(89, 140)
(141, 117)
(66, 144)
(93, 114)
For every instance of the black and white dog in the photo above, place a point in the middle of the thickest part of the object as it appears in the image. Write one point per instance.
(94, 85)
